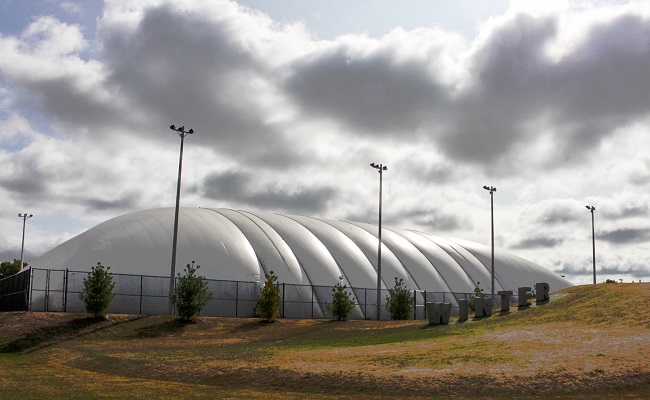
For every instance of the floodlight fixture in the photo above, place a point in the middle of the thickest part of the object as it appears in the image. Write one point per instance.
(380, 168)
(172, 276)
(593, 240)
(25, 217)
(492, 189)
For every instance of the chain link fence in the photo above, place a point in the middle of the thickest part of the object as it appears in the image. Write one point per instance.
(58, 291)
(14, 292)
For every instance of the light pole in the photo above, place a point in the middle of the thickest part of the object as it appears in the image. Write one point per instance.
(172, 280)
(492, 189)
(593, 239)
(380, 168)
(25, 217)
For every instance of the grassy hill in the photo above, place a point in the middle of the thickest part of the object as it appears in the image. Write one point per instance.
(587, 341)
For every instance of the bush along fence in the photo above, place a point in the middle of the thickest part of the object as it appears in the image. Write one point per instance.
(38, 289)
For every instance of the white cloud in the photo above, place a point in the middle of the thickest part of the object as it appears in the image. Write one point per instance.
(549, 105)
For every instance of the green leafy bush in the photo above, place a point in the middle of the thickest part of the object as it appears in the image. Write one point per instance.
(399, 302)
(342, 301)
(268, 305)
(97, 293)
(9, 268)
(191, 294)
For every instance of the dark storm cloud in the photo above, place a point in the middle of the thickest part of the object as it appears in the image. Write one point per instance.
(572, 268)
(638, 270)
(128, 202)
(9, 254)
(506, 75)
(422, 169)
(28, 178)
(537, 242)
(188, 68)
(628, 235)
(24, 185)
(181, 65)
(372, 94)
(436, 220)
(627, 211)
(582, 97)
(240, 188)
(606, 268)
(559, 215)
(62, 100)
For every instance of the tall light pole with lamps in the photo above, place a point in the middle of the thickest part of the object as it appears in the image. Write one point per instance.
(380, 168)
(25, 217)
(593, 239)
(172, 277)
(492, 189)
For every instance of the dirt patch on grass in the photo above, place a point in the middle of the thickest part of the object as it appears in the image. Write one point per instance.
(24, 332)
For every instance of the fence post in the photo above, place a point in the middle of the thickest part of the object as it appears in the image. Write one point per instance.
(65, 291)
(365, 303)
(312, 302)
(425, 305)
(31, 287)
(47, 290)
(141, 290)
(237, 299)
(283, 292)
(415, 304)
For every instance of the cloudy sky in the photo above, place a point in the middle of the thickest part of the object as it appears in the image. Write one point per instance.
(291, 101)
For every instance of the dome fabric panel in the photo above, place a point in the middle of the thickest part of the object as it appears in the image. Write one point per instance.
(367, 242)
(454, 276)
(478, 273)
(243, 246)
(356, 269)
(272, 251)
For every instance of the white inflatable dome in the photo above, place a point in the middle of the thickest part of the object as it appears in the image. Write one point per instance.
(243, 246)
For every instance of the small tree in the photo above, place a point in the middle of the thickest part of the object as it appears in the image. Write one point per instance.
(191, 294)
(97, 293)
(342, 302)
(268, 305)
(399, 301)
(9, 268)
(478, 293)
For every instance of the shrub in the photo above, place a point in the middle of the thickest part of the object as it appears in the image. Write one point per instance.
(268, 305)
(97, 293)
(9, 268)
(191, 294)
(478, 293)
(399, 302)
(342, 302)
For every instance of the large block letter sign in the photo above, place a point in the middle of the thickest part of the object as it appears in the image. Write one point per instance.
(542, 290)
(522, 294)
(482, 307)
(438, 313)
(505, 300)
(463, 310)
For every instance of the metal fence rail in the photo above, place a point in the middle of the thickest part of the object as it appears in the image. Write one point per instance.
(58, 290)
(14, 292)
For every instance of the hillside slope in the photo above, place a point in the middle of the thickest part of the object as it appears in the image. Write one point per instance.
(589, 340)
